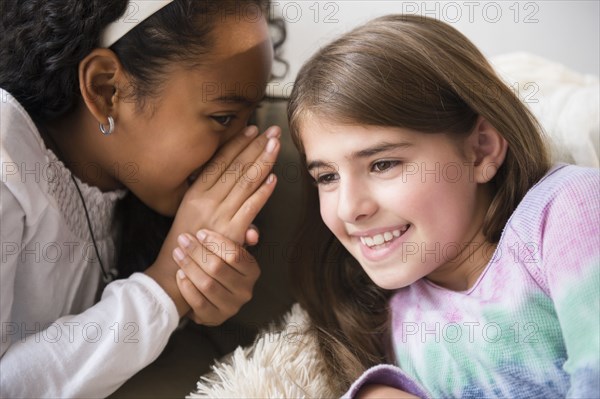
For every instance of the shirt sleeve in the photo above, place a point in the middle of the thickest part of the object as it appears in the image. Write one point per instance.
(571, 267)
(385, 374)
(85, 355)
(11, 232)
(95, 352)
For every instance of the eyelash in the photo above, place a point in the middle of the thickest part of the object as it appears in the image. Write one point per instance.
(392, 163)
(326, 179)
(218, 119)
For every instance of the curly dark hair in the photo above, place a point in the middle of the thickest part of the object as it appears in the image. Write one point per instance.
(42, 43)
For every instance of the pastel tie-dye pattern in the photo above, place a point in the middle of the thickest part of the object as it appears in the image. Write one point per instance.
(530, 326)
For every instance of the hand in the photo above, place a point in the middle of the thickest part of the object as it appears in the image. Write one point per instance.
(225, 198)
(216, 277)
(382, 392)
(229, 193)
(252, 235)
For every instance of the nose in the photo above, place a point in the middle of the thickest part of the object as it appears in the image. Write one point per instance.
(355, 202)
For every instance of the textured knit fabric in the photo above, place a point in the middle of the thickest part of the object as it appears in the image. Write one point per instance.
(56, 341)
(530, 325)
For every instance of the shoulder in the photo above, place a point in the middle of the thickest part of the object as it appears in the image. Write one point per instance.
(556, 224)
(15, 117)
(568, 180)
(24, 158)
(564, 190)
(21, 141)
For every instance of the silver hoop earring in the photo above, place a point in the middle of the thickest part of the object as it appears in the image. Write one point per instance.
(111, 127)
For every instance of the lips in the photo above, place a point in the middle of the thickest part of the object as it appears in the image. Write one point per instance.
(377, 247)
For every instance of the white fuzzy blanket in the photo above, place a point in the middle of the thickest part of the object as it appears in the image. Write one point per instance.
(282, 363)
(566, 103)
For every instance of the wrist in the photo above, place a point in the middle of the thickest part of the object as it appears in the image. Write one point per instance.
(164, 273)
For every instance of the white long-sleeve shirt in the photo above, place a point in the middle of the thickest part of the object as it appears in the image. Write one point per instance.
(57, 340)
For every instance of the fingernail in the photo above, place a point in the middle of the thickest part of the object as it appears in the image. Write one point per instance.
(201, 235)
(271, 178)
(184, 241)
(179, 255)
(180, 274)
(251, 131)
(272, 133)
(271, 145)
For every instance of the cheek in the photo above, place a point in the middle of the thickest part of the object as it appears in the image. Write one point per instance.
(328, 208)
(447, 209)
(187, 153)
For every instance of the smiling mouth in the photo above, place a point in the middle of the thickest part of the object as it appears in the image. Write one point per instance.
(382, 240)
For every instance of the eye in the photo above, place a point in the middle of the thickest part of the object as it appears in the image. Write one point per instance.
(224, 120)
(383, 166)
(326, 179)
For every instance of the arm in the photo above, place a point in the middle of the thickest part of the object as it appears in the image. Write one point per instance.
(86, 355)
(382, 392)
(571, 267)
(382, 380)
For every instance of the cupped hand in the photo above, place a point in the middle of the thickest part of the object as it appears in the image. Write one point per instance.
(232, 188)
(225, 198)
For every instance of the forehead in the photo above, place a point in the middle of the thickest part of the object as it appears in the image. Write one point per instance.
(330, 142)
(240, 61)
(239, 32)
(322, 137)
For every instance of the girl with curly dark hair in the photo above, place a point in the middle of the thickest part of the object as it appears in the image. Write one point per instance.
(145, 103)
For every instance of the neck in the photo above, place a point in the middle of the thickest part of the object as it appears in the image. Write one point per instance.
(462, 272)
(78, 143)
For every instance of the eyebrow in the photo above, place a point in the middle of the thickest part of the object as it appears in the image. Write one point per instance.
(233, 98)
(378, 148)
(365, 153)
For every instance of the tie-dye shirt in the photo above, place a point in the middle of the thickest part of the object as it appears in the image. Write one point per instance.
(530, 325)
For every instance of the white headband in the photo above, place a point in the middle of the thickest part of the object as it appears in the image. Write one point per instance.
(137, 12)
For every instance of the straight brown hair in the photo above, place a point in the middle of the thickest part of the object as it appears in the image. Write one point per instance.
(409, 72)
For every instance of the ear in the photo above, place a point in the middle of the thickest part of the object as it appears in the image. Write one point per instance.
(487, 149)
(100, 76)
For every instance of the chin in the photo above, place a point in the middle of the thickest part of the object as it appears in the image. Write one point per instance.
(388, 285)
(164, 206)
(392, 281)
(169, 208)
(167, 211)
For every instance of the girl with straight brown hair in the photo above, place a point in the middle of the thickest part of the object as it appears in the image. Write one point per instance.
(447, 244)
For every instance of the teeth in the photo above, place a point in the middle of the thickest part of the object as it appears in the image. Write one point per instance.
(379, 239)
